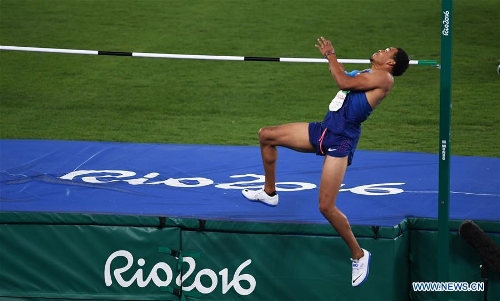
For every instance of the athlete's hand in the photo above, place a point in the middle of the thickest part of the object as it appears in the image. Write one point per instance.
(325, 47)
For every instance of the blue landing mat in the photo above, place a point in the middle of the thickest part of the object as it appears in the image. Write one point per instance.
(205, 182)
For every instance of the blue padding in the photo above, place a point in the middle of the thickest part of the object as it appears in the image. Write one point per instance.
(200, 181)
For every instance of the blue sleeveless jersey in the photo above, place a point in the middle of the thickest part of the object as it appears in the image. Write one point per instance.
(347, 120)
(338, 134)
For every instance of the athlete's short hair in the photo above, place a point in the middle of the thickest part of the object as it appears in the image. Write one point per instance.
(402, 62)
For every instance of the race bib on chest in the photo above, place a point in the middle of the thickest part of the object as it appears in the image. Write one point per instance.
(338, 101)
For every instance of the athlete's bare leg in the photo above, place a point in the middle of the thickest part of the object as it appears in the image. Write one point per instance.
(296, 136)
(293, 135)
(331, 180)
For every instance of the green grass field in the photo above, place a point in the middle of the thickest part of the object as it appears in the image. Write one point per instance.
(103, 98)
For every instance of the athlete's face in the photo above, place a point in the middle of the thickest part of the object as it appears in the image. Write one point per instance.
(383, 55)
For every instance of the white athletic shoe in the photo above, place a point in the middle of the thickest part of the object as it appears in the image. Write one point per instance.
(360, 268)
(260, 196)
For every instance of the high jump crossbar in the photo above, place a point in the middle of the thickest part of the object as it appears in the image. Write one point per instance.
(203, 57)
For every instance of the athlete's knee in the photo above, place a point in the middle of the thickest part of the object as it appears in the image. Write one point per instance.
(326, 206)
(266, 134)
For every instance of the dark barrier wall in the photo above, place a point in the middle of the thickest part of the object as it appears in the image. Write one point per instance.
(69, 257)
(464, 264)
(130, 262)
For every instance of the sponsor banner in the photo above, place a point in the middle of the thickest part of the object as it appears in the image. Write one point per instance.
(93, 262)
(125, 263)
(236, 266)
